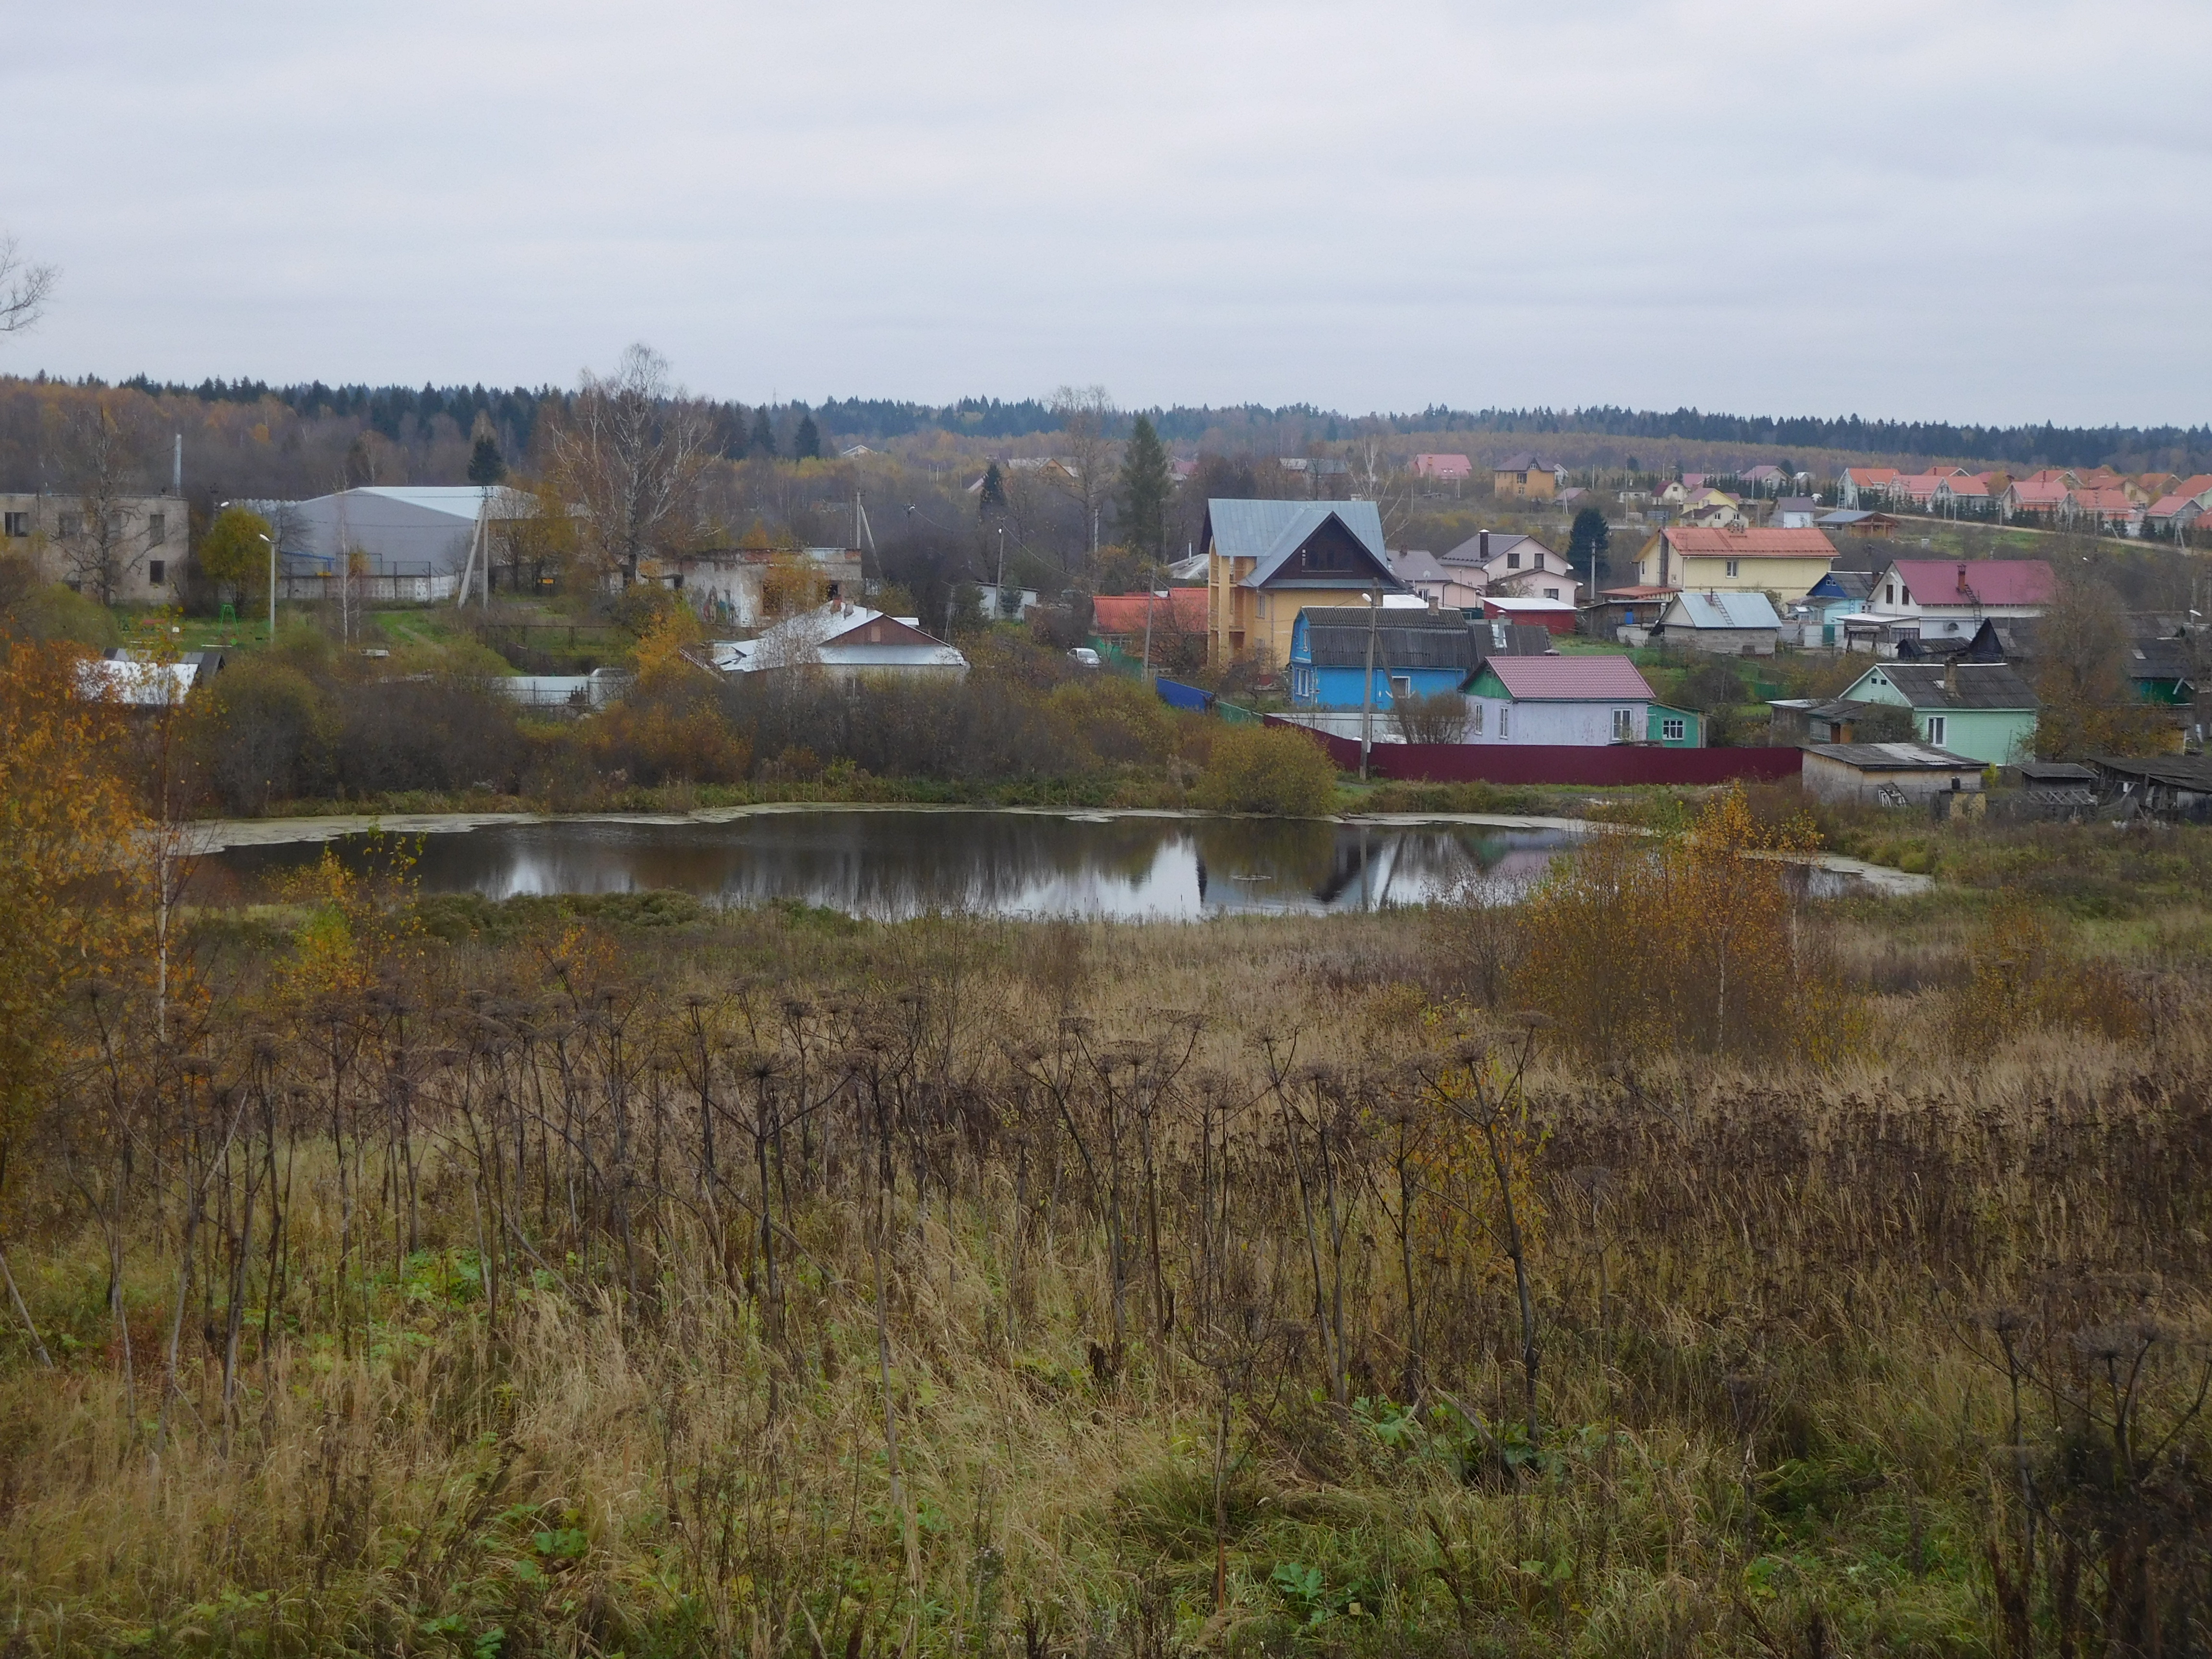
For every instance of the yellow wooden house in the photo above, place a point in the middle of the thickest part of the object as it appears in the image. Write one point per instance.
(1267, 561)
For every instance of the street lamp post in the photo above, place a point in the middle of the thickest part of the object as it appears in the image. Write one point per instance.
(272, 588)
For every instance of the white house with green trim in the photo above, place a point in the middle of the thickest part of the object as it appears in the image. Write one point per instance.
(1983, 710)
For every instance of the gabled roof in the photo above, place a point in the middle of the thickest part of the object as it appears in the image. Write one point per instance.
(1501, 543)
(1852, 515)
(1843, 584)
(1270, 532)
(1958, 486)
(1870, 475)
(1403, 639)
(2104, 499)
(1976, 581)
(1177, 610)
(1524, 464)
(1957, 686)
(1728, 609)
(2157, 659)
(1570, 679)
(2037, 492)
(2166, 507)
(1803, 542)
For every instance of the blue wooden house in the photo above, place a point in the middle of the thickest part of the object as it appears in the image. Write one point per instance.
(1417, 653)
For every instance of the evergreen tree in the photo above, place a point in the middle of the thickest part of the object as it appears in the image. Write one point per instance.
(486, 467)
(1146, 483)
(995, 492)
(806, 441)
(763, 438)
(1590, 536)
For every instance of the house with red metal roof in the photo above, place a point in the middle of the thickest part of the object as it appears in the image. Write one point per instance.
(1581, 700)
(1125, 616)
(1765, 560)
(2036, 497)
(2169, 515)
(2107, 507)
(1949, 597)
(1449, 469)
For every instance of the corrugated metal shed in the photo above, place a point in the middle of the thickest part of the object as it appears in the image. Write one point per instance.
(1727, 610)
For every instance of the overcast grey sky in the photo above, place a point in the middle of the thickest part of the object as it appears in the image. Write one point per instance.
(1936, 209)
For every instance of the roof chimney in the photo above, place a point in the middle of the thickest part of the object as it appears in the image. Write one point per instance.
(1951, 677)
(1482, 545)
(1962, 578)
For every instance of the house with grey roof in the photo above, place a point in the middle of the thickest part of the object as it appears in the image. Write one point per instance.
(1983, 710)
(1267, 561)
(1732, 624)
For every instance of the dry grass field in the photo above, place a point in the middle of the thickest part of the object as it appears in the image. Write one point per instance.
(616, 1276)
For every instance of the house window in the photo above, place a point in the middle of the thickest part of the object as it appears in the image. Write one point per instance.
(1731, 567)
(157, 529)
(70, 524)
(1671, 731)
(875, 633)
(1937, 725)
(1551, 592)
(156, 569)
(1474, 719)
(1401, 685)
(1512, 561)
(19, 524)
(1889, 594)
(1623, 726)
(1505, 721)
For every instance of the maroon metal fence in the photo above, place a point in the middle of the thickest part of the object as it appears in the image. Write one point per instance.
(1595, 765)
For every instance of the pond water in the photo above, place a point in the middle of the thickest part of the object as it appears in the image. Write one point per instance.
(892, 865)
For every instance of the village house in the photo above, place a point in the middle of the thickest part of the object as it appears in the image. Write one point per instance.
(1785, 563)
(1720, 624)
(1513, 563)
(1267, 561)
(2036, 497)
(1579, 701)
(1886, 774)
(729, 586)
(1984, 711)
(846, 642)
(1713, 509)
(1950, 597)
(1617, 608)
(1528, 477)
(1864, 486)
(1961, 498)
(1442, 586)
(1170, 621)
(1442, 469)
(1795, 513)
(2173, 514)
(1415, 653)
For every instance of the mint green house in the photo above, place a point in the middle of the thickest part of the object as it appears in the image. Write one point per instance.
(1981, 710)
(1675, 728)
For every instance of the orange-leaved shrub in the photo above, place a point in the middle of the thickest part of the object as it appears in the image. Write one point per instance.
(2023, 972)
(1641, 945)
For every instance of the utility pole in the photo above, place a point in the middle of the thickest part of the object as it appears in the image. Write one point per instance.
(1367, 685)
(999, 592)
(1149, 573)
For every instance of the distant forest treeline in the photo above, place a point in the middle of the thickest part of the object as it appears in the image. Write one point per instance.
(400, 414)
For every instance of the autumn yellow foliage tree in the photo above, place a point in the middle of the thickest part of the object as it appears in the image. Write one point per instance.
(1687, 943)
(670, 726)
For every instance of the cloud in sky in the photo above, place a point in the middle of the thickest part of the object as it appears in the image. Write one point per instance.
(1971, 210)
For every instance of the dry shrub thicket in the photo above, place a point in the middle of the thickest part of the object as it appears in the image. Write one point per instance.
(614, 1277)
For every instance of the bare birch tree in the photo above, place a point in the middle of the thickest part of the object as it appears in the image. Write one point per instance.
(24, 288)
(1092, 456)
(103, 536)
(630, 454)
